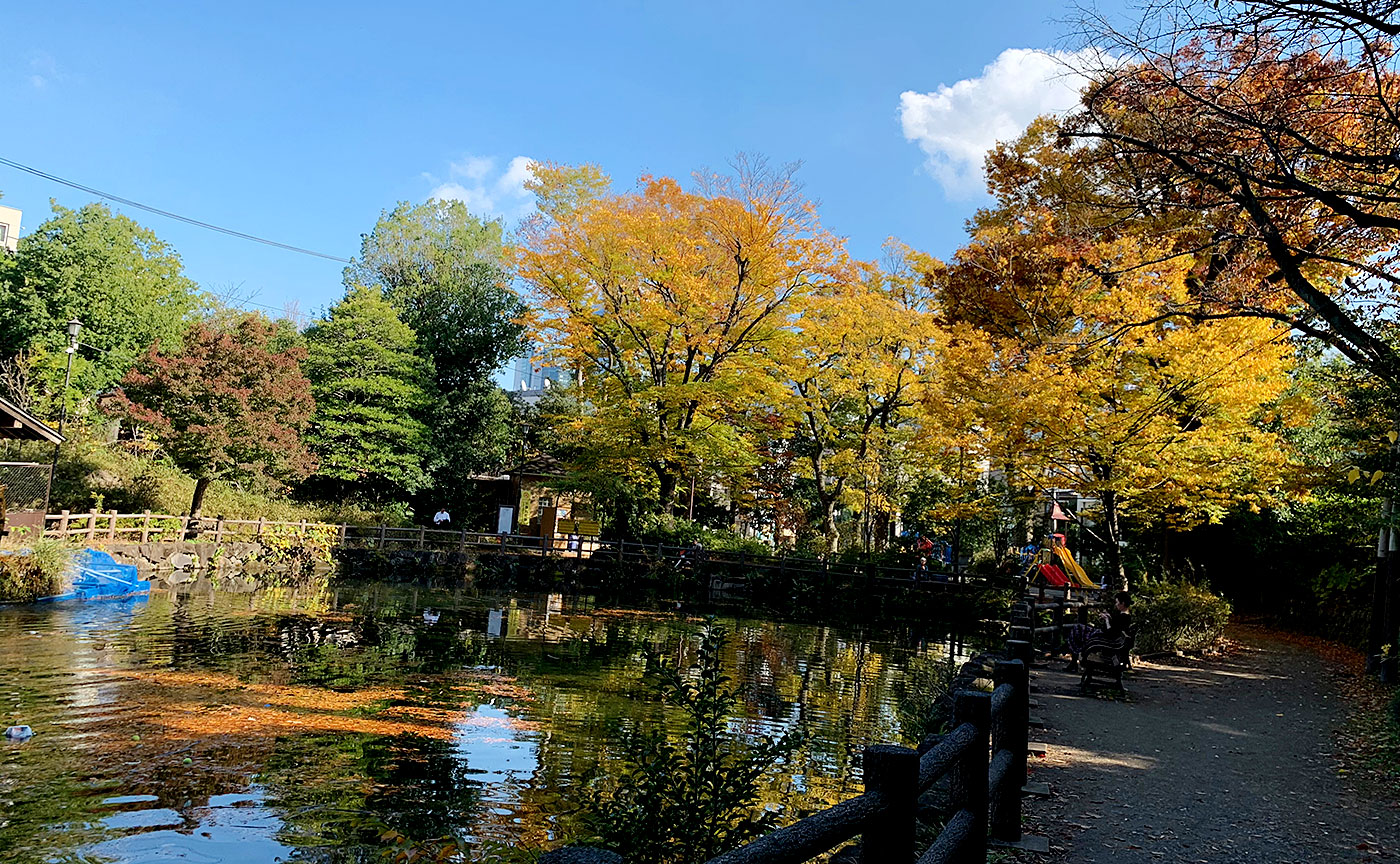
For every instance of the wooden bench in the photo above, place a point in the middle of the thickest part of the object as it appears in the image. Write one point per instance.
(1106, 663)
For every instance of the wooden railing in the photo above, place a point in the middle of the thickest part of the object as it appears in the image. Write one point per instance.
(721, 566)
(1057, 615)
(983, 758)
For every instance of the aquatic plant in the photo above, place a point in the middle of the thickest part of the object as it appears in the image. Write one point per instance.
(684, 801)
(33, 569)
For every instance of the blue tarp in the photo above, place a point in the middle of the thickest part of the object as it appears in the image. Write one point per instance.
(96, 575)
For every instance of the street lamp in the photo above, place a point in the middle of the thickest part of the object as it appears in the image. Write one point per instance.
(74, 328)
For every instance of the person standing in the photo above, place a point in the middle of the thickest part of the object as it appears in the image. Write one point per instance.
(442, 518)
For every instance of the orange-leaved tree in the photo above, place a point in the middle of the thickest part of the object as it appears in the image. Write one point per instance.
(1065, 367)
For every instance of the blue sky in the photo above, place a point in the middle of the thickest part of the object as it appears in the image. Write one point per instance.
(301, 122)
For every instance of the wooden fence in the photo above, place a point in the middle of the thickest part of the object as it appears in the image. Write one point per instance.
(983, 758)
(113, 527)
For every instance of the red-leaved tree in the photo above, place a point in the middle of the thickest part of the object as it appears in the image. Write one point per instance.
(227, 404)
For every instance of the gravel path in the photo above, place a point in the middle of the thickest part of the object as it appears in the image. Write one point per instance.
(1220, 761)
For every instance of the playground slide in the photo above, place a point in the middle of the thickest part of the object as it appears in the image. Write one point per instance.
(1072, 568)
(1054, 576)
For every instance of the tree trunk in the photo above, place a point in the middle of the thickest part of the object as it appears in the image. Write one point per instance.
(833, 537)
(1115, 551)
(200, 487)
(1376, 636)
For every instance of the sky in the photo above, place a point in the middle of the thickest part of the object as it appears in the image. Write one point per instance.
(302, 122)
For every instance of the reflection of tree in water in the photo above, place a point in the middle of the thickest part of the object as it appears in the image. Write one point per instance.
(337, 795)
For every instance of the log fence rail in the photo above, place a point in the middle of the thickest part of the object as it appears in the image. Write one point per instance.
(146, 527)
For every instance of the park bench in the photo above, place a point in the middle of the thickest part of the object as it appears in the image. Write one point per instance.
(1106, 662)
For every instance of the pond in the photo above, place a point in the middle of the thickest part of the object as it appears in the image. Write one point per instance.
(324, 725)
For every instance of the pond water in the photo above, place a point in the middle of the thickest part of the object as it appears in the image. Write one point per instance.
(326, 725)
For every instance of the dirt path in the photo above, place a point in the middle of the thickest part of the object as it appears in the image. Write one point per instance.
(1222, 761)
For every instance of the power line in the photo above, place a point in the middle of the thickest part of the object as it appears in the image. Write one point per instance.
(166, 213)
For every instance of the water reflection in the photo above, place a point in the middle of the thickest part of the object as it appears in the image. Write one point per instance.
(282, 725)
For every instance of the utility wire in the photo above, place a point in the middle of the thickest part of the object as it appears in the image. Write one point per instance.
(166, 213)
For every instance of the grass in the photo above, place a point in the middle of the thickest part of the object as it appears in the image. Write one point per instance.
(32, 569)
(93, 474)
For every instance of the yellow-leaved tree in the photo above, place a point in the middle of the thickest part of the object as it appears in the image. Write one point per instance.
(1066, 366)
(670, 305)
(855, 375)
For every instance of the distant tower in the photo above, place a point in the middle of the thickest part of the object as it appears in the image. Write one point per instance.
(9, 228)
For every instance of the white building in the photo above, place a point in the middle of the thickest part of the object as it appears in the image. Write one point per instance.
(9, 228)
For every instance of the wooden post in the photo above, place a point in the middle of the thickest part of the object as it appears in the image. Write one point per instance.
(262, 522)
(145, 526)
(344, 533)
(892, 773)
(422, 536)
(63, 523)
(1010, 732)
(301, 530)
(968, 786)
(92, 525)
(1020, 650)
(462, 542)
(382, 538)
(219, 530)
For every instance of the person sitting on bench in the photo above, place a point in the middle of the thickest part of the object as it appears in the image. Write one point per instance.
(1111, 634)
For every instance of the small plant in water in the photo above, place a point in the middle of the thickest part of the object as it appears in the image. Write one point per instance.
(683, 801)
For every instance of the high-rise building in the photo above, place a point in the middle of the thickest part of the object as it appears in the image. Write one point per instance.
(9, 228)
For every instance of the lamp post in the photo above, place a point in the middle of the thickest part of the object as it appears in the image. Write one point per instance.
(74, 328)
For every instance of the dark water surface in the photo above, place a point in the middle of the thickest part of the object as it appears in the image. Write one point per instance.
(325, 725)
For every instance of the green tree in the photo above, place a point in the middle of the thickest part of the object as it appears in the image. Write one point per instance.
(441, 268)
(126, 286)
(370, 389)
(225, 404)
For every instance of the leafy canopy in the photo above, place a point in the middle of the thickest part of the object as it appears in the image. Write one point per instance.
(371, 395)
(223, 404)
(123, 283)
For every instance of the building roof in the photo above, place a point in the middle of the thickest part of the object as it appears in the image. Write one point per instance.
(15, 422)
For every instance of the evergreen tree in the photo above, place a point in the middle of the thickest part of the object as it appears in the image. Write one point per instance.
(441, 269)
(371, 396)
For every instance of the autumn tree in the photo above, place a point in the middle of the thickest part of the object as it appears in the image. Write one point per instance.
(670, 304)
(126, 286)
(855, 373)
(1264, 135)
(1066, 369)
(223, 404)
(372, 393)
(442, 269)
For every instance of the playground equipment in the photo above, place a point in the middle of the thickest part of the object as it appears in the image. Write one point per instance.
(1053, 563)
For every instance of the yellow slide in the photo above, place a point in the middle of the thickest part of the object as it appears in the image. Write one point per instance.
(1072, 568)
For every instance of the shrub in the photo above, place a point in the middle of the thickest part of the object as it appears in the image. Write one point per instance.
(685, 800)
(33, 570)
(674, 531)
(1179, 616)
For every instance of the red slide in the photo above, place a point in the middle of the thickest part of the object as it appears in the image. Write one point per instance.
(1053, 575)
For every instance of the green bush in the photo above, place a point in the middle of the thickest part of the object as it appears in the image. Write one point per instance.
(33, 570)
(674, 531)
(1179, 616)
(682, 799)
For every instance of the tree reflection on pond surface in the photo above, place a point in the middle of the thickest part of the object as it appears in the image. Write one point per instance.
(325, 725)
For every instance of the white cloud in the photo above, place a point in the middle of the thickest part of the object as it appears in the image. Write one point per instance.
(43, 70)
(956, 125)
(475, 182)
